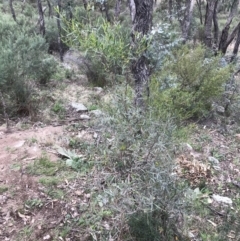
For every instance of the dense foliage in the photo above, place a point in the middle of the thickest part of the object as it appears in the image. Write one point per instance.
(23, 63)
(189, 83)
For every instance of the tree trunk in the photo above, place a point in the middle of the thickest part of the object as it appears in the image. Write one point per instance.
(170, 8)
(60, 45)
(224, 40)
(49, 8)
(142, 23)
(215, 23)
(179, 10)
(132, 8)
(85, 3)
(237, 43)
(70, 14)
(41, 18)
(199, 4)
(106, 10)
(229, 38)
(210, 8)
(12, 10)
(5, 112)
(185, 23)
(117, 8)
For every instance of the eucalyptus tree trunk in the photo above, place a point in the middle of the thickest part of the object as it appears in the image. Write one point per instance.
(12, 10)
(141, 12)
(185, 23)
(210, 8)
(215, 23)
(85, 3)
(5, 111)
(230, 38)
(41, 18)
(60, 45)
(225, 39)
(170, 9)
(199, 4)
(49, 8)
(132, 8)
(106, 10)
(237, 43)
(69, 11)
(117, 8)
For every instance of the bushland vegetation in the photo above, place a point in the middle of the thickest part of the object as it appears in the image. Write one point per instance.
(169, 66)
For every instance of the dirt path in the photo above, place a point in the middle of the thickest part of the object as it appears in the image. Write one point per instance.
(33, 179)
(23, 147)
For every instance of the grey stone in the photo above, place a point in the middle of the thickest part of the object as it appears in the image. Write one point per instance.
(97, 113)
(79, 107)
(98, 89)
(222, 199)
(84, 117)
(217, 168)
(213, 160)
(220, 109)
(191, 235)
(47, 237)
(187, 147)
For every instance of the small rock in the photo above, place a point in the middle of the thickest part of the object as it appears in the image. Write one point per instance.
(187, 147)
(79, 107)
(47, 237)
(213, 160)
(237, 136)
(79, 193)
(98, 89)
(3, 199)
(97, 113)
(191, 235)
(220, 109)
(217, 168)
(84, 117)
(95, 135)
(222, 199)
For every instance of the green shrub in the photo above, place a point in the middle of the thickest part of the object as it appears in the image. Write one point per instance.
(106, 48)
(23, 62)
(188, 84)
(136, 149)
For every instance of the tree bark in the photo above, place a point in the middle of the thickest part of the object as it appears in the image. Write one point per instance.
(85, 3)
(170, 8)
(12, 10)
(117, 8)
(5, 114)
(199, 4)
(178, 6)
(215, 23)
(41, 18)
(185, 23)
(106, 10)
(224, 40)
(142, 23)
(70, 14)
(49, 8)
(229, 38)
(210, 8)
(237, 43)
(60, 45)
(132, 8)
